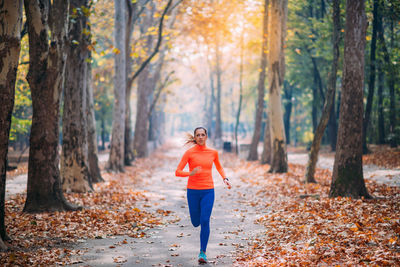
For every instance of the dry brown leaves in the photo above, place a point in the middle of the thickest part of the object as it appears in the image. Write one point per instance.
(114, 208)
(385, 158)
(312, 231)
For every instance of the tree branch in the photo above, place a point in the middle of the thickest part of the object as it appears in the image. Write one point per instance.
(164, 84)
(156, 49)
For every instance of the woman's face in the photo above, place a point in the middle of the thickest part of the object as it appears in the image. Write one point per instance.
(200, 136)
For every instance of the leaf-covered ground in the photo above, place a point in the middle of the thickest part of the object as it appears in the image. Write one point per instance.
(388, 158)
(314, 230)
(114, 208)
(319, 230)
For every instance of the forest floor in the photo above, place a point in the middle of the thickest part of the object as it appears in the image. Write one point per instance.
(140, 218)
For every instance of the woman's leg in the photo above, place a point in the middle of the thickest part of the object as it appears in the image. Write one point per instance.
(194, 197)
(206, 204)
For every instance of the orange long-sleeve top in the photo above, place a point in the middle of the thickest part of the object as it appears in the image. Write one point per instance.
(204, 157)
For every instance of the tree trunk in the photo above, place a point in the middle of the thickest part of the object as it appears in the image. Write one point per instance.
(391, 83)
(381, 118)
(240, 92)
(314, 108)
(371, 82)
(128, 141)
(332, 126)
(10, 34)
(117, 155)
(218, 70)
(276, 73)
(45, 77)
(211, 105)
(330, 94)
(152, 112)
(142, 120)
(131, 16)
(266, 154)
(75, 176)
(287, 92)
(253, 153)
(144, 88)
(94, 169)
(103, 132)
(347, 178)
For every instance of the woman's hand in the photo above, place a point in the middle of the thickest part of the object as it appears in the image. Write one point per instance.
(227, 183)
(195, 170)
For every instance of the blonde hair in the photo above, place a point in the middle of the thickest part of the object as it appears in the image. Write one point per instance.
(190, 137)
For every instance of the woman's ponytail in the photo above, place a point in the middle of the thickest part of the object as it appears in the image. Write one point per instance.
(190, 139)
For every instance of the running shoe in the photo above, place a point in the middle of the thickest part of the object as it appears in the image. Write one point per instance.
(202, 257)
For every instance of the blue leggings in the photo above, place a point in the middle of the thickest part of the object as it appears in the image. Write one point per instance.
(200, 207)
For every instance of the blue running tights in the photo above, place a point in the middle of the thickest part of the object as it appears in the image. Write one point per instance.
(200, 207)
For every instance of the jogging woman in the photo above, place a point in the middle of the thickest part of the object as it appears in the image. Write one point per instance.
(200, 186)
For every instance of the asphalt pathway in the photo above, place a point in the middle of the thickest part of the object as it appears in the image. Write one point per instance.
(177, 242)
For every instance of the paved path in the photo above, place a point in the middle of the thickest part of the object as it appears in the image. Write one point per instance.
(177, 243)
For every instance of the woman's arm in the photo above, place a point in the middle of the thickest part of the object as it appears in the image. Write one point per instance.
(218, 165)
(221, 171)
(179, 170)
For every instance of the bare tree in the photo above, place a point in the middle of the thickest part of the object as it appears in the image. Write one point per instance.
(347, 178)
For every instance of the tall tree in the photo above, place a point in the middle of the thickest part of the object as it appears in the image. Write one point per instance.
(132, 15)
(253, 153)
(94, 169)
(332, 126)
(391, 80)
(117, 154)
(330, 94)
(75, 175)
(218, 74)
(47, 59)
(288, 103)
(145, 85)
(146, 82)
(372, 67)
(266, 154)
(381, 118)
(240, 90)
(276, 73)
(347, 178)
(10, 45)
(211, 102)
(148, 78)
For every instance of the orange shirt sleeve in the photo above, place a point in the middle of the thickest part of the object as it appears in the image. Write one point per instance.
(179, 170)
(218, 165)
